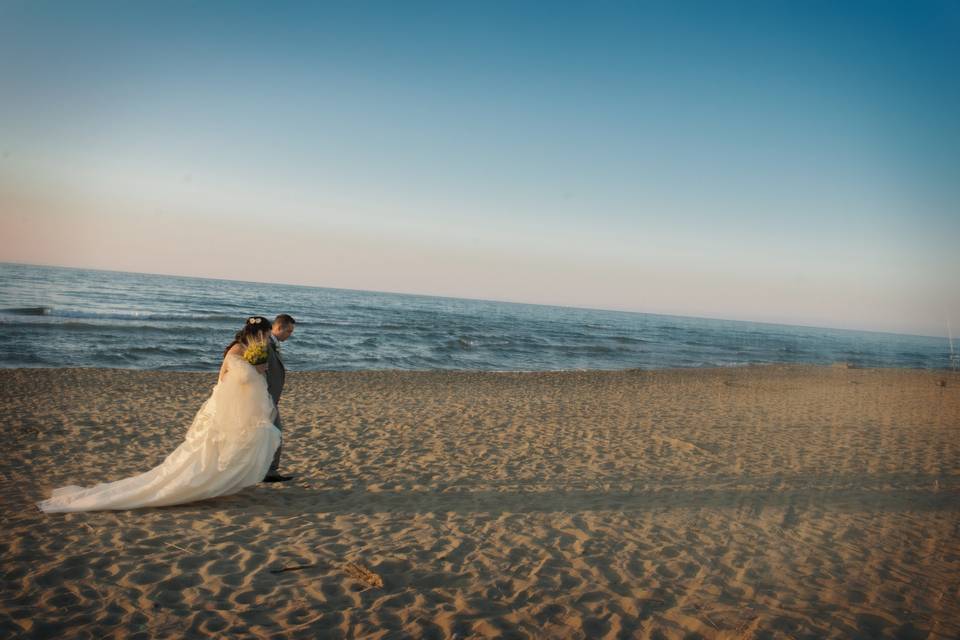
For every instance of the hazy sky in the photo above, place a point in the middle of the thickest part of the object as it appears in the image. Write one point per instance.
(786, 162)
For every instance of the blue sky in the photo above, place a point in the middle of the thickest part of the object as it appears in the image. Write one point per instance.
(787, 162)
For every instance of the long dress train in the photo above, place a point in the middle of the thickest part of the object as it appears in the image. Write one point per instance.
(229, 446)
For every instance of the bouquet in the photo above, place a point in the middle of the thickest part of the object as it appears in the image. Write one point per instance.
(256, 352)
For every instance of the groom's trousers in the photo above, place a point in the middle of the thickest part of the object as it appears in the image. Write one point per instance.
(275, 465)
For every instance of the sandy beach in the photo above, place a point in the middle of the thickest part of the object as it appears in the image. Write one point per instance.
(758, 502)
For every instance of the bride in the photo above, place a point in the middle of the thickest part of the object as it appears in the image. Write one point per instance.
(229, 445)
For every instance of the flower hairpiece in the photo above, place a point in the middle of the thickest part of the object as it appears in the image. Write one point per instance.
(251, 321)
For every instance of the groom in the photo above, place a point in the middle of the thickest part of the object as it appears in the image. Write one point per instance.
(276, 373)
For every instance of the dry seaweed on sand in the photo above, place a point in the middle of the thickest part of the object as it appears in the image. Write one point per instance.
(363, 574)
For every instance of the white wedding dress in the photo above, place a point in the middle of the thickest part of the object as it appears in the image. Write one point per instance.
(229, 446)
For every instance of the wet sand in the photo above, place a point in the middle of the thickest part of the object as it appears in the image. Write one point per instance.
(767, 502)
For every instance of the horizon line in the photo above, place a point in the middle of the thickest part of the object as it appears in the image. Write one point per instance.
(444, 297)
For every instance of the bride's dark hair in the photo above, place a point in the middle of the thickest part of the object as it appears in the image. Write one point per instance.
(253, 326)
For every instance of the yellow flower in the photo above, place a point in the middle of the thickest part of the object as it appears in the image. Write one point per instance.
(256, 352)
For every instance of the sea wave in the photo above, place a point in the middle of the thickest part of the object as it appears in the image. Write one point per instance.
(54, 312)
(41, 326)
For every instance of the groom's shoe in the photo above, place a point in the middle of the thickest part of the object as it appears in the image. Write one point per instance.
(276, 477)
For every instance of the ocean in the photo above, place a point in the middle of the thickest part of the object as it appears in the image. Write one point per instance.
(58, 317)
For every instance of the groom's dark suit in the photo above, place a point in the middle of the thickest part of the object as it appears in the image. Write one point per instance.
(276, 374)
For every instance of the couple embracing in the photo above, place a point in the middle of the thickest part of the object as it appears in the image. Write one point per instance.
(232, 443)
